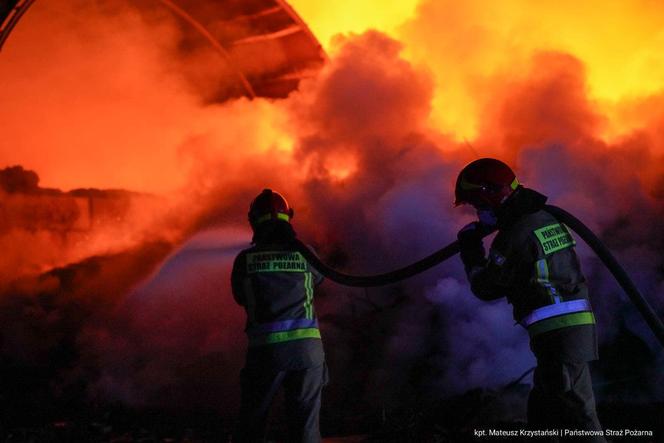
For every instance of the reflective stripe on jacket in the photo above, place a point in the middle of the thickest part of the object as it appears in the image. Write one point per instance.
(275, 284)
(558, 315)
(533, 263)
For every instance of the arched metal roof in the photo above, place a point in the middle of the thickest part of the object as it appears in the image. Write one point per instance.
(11, 12)
(264, 43)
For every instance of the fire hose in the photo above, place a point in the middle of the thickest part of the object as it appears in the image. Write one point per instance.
(621, 276)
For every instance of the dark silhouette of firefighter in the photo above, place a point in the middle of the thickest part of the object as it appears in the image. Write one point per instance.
(275, 285)
(533, 263)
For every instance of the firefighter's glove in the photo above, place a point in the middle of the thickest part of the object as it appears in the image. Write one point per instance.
(471, 247)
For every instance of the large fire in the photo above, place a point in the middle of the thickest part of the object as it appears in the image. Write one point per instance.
(105, 84)
(108, 96)
(466, 45)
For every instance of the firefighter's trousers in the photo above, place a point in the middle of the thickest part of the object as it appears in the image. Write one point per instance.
(562, 398)
(302, 389)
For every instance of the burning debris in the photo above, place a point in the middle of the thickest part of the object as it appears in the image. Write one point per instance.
(43, 228)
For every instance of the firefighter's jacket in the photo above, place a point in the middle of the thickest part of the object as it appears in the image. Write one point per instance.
(533, 263)
(275, 285)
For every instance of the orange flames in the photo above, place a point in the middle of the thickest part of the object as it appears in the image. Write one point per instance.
(97, 97)
(72, 98)
(466, 45)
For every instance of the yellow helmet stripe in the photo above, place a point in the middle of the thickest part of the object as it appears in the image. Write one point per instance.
(266, 217)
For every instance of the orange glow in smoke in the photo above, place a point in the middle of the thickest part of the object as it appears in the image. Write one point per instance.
(466, 43)
(102, 101)
(341, 167)
(111, 79)
(327, 19)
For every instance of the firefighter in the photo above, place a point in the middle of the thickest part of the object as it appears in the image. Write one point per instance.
(275, 285)
(533, 263)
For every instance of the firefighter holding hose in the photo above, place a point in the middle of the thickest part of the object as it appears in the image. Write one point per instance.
(532, 262)
(275, 285)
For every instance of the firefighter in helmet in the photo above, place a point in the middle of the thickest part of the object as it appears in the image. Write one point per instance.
(275, 285)
(533, 263)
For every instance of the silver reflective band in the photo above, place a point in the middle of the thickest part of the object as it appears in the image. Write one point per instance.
(554, 310)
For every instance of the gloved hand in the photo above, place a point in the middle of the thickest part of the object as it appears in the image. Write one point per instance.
(471, 247)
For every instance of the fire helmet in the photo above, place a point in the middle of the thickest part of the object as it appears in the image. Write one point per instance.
(485, 182)
(269, 205)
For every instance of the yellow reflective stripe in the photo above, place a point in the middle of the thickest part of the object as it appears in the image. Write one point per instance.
(564, 321)
(514, 184)
(263, 218)
(284, 336)
(309, 291)
(542, 269)
(266, 217)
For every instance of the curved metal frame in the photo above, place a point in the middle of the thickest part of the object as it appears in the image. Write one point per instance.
(20, 9)
(296, 18)
(22, 6)
(8, 24)
(214, 42)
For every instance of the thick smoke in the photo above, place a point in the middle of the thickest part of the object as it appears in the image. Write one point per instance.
(392, 204)
(464, 45)
(371, 182)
